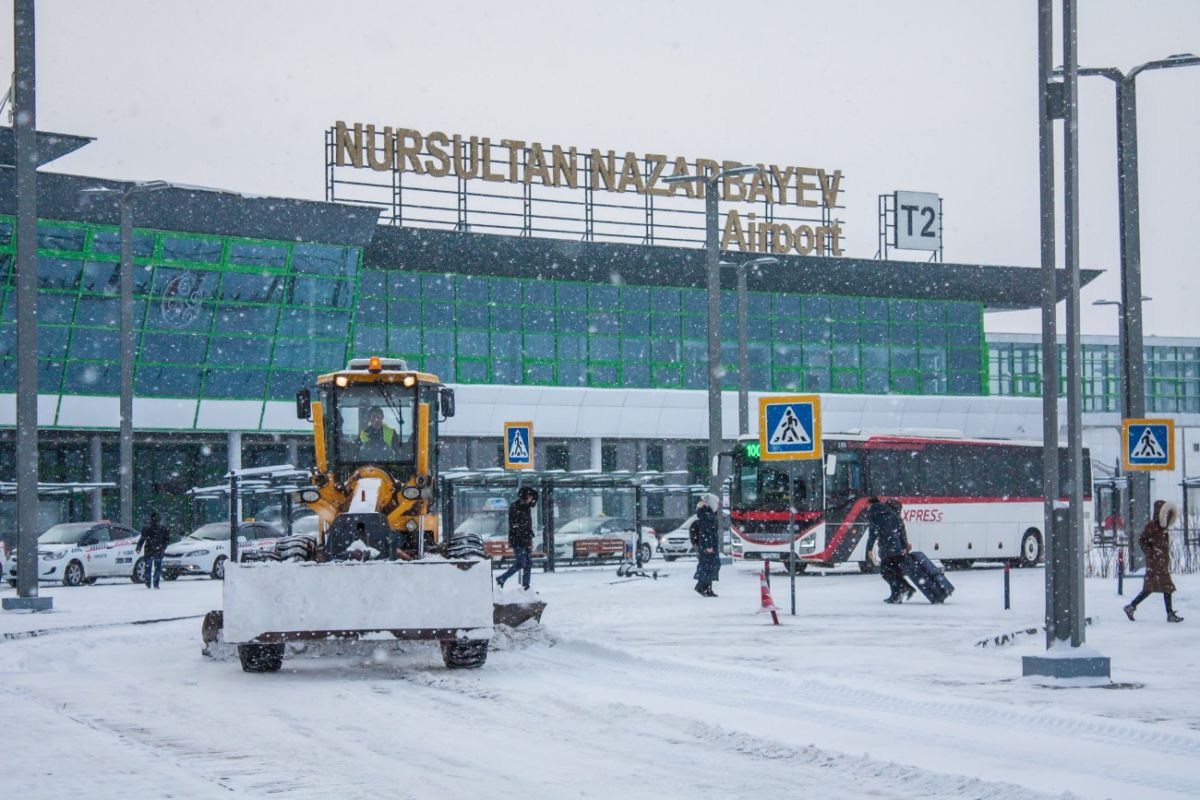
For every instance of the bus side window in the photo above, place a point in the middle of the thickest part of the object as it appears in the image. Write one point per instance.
(847, 480)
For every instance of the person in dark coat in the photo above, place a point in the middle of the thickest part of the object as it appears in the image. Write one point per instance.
(887, 528)
(520, 536)
(154, 542)
(1155, 542)
(708, 545)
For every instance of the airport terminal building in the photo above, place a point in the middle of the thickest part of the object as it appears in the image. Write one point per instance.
(596, 335)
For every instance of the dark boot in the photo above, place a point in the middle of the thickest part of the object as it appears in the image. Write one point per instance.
(1173, 617)
(1129, 609)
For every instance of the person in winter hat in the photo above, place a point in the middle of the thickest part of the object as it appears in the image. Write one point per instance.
(1155, 542)
(153, 542)
(520, 535)
(708, 545)
(887, 528)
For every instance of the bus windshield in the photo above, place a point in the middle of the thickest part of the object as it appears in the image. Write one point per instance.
(763, 486)
(373, 425)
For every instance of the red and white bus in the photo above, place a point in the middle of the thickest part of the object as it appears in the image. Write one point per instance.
(965, 500)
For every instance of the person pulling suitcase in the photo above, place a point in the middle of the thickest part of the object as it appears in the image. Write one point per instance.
(887, 528)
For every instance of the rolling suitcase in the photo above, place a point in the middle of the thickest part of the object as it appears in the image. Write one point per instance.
(927, 577)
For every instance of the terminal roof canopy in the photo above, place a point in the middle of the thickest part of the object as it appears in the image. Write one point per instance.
(50, 146)
(998, 288)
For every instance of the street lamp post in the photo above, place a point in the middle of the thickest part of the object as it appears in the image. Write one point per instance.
(713, 272)
(1133, 365)
(126, 344)
(742, 313)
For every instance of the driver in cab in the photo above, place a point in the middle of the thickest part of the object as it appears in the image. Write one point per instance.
(378, 441)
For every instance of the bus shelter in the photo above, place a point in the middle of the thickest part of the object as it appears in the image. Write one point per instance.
(276, 484)
(585, 517)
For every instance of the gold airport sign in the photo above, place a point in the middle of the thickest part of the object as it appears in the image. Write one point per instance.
(514, 161)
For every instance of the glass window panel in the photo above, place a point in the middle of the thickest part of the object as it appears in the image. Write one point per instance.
(538, 346)
(404, 340)
(79, 378)
(507, 318)
(963, 360)
(635, 375)
(572, 373)
(815, 330)
(695, 378)
(168, 348)
(601, 322)
(904, 358)
(816, 307)
(54, 308)
(665, 350)
(207, 251)
(405, 285)
(933, 336)
(235, 383)
(845, 355)
(52, 341)
(246, 287)
(571, 295)
(471, 343)
(109, 243)
(440, 315)
(603, 348)
(816, 356)
(322, 259)
(572, 321)
(6, 260)
(539, 319)
(758, 304)
(539, 293)
(91, 343)
(257, 254)
(439, 342)
(932, 313)
(845, 380)
(472, 316)
(816, 380)
(728, 327)
(371, 282)
(301, 322)
(572, 347)
(308, 354)
(693, 301)
(635, 298)
(603, 298)
(308, 291)
(932, 359)
(874, 308)
(903, 334)
(100, 277)
(374, 311)
(506, 291)
(905, 382)
(437, 287)
(60, 237)
(246, 319)
(505, 345)
(788, 355)
(507, 372)
(6, 229)
(227, 351)
(471, 288)
(962, 335)
(845, 333)
(470, 371)
(960, 313)
(635, 350)
(284, 385)
(758, 329)
(537, 373)
(177, 311)
(728, 302)
(667, 376)
(843, 308)
(788, 305)
(665, 326)
(635, 323)
(693, 326)
(58, 273)
(875, 357)
(875, 381)
(162, 381)
(933, 383)
(602, 375)
(370, 340)
(98, 311)
(903, 310)
(663, 301)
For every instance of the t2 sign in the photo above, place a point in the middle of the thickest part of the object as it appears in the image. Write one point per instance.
(918, 221)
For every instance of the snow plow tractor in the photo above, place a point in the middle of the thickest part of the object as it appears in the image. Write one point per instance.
(377, 566)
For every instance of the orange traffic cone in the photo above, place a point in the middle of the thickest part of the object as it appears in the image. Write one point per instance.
(767, 603)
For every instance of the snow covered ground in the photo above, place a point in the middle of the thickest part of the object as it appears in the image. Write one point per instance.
(631, 688)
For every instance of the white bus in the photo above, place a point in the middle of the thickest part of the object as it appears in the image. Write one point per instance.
(965, 500)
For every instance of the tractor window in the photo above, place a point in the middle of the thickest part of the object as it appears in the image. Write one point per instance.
(375, 424)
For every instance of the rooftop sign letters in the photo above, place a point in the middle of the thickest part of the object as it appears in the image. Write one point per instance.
(774, 189)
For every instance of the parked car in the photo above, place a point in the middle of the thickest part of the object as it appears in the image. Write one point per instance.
(205, 550)
(678, 542)
(490, 525)
(75, 553)
(601, 536)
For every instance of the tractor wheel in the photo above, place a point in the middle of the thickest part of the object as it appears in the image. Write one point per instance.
(261, 657)
(465, 653)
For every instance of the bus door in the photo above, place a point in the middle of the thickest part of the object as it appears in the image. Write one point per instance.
(844, 495)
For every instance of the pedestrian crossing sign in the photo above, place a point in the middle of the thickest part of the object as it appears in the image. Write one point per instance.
(789, 427)
(518, 445)
(1148, 444)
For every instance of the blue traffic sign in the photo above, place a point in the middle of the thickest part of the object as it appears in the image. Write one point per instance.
(789, 427)
(1148, 444)
(518, 445)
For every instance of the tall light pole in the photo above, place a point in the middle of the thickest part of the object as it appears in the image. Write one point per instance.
(126, 344)
(713, 271)
(1133, 364)
(742, 312)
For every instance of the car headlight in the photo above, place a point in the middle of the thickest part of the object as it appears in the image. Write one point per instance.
(55, 556)
(199, 553)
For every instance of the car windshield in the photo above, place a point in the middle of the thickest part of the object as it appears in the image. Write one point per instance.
(66, 533)
(213, 531)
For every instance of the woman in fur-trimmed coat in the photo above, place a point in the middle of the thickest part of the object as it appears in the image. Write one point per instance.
(1155, 544)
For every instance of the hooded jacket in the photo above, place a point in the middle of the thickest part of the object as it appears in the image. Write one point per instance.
(1156, 545)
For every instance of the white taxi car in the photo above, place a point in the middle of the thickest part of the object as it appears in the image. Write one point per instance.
(205, 550)
(678, 542)
(75, 553)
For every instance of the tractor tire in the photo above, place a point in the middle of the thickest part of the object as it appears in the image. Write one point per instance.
(261, 657)
(465, 653)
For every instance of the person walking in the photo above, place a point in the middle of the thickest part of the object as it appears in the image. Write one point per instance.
(520, 536)
(1155, 542)
(708, 545)
(887, 528)
(154, 541)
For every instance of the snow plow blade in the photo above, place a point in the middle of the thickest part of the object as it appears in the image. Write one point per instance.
(433, 599)
(513, 614)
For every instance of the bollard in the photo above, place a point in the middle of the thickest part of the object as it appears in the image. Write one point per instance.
(1006, 587)
(1120, 572)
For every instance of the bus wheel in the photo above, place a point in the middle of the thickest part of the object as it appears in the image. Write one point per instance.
(868, 567)
(1031, 549)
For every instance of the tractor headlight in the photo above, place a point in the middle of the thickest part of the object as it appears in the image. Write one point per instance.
(309, 495)
(410, 492)
(411, 526)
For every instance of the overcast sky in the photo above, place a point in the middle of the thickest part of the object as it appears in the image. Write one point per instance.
(929, 95)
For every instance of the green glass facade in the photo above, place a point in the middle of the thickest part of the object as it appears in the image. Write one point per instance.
(221, 317)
